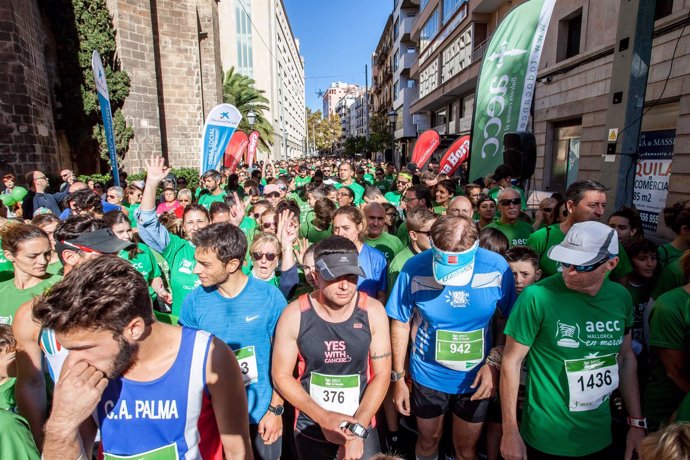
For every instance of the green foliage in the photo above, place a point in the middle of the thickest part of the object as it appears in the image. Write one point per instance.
(239, 91)
(380, 137)
(355, 145)
(102, 178)
(191, 174)
(323, 132)
(81, 26)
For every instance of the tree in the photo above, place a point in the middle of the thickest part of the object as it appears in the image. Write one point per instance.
(328, 133)
(356, 144)
(380, 137)
(239, 91)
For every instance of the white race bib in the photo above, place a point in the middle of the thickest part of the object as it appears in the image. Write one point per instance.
(460, 351)
(335, 393)
(246, 357)
(591, 381)
(168, 452)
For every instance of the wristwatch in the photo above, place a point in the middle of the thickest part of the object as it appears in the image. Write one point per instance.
(395, 376)
(637, 422)
(357, 429)
(278, 410)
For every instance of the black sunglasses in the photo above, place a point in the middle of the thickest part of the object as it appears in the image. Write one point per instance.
(585, 268)
(514, 201)
(260, 255)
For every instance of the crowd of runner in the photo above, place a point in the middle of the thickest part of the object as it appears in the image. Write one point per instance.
(323, 309)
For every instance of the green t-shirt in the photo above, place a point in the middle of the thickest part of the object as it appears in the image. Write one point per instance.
(145, 263)
(368, 179)
(303, 204)
(180, 255)
(669, 328)
(302, 181)
(517, 233)
(6, 267)
(13, 298)
(314, 235)
(574, 339)
(16, 441)
(493, 193)
(131, 208)
(383, 185)
(357, 189)
(393, 198)
(667, 254)
(439, 208)
(396, 265)
(402, 234)
(683, 414)
(640, 294)
(544, 239)
(388, 244)
(206, 198)
(55, 268)
(670, 278)
(7, 400)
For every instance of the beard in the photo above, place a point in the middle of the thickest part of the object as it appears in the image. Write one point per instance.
(123, 360)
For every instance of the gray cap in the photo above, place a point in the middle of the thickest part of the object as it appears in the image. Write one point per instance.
(332, 266)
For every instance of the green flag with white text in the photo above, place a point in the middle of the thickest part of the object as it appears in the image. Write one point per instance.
(506, 83)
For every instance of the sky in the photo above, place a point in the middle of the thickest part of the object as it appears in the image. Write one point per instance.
(337, 38)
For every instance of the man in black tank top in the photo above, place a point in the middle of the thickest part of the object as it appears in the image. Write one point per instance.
(340, 339)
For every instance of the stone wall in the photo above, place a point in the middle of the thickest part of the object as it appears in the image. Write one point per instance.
(27, 132)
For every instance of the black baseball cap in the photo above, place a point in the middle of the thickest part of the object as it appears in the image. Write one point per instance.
(102, 240)
(502, 172)
(332, 266)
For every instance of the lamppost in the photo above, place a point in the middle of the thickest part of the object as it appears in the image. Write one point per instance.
(392, 118)
(251, 119)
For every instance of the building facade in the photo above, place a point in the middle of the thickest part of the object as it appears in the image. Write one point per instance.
(257, 40)
(382, 72)
(573, 91)
(332, 96)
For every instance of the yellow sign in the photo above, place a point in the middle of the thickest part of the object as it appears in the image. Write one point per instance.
(613, 134)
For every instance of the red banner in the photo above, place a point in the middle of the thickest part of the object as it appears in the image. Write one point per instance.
(455, 155)
(235, 150)
(251, 149)
(425, 146)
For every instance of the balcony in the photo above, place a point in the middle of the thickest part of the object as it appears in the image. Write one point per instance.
(406, 28)
(406, 96)
(407, 60)
(487, 6)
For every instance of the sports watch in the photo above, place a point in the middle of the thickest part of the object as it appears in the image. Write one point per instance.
(637, 422)
(357, 429)
(278, 410)
(395, 376)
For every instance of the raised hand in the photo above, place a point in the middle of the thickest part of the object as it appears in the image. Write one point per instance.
(156, 170)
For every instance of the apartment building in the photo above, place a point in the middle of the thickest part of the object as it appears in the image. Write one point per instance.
(257, 39)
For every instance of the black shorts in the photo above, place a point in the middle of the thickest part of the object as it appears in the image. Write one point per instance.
(428, 403)
(261, 450)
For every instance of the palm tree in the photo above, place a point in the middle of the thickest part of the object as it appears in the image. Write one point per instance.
(239, 91)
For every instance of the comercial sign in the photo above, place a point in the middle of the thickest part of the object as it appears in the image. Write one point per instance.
(652, 173)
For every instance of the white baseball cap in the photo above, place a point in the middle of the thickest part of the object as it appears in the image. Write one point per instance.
(586, 244)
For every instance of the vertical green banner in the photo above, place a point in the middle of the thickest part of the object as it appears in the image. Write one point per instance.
(506, 83)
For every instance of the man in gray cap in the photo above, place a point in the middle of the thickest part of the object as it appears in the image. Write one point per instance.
(340, 338)
(574, 330)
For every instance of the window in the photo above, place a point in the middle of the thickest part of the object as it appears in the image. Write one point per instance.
(396, 89)
(429, 30)
(396, 60)
(663, 8)
(396, 28)
(566, 154)
(569, 31)
(411, 49)
(410, 83)
(450, 7)
(422, 4)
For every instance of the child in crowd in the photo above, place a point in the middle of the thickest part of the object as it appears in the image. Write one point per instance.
(8, 368)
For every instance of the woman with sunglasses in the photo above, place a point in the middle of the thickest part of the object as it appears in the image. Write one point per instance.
(545, 214)
(28, 248)
(516, 230)
(349, 222)
(486, 208)
(268, 249)
(178, 252)
(392, 218)
(345, 197)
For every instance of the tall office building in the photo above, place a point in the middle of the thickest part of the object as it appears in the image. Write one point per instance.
(257, 40)
(335, 93)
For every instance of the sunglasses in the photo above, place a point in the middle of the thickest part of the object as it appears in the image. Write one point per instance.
(273, 195)
(547, 209)
(400, 182)
(260, 255)
(256, 215)
(113, 197)
(268, 224)
(585, 268)
(514, 201)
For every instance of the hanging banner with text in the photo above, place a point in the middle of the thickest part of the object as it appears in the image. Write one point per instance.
(106, 112)
(652, 173)
(219, 127)
(426, 145)
(458, 152)
(251, 149)
(506, 83)
(235, 150)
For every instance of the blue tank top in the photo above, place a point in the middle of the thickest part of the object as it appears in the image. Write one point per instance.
(167, 418)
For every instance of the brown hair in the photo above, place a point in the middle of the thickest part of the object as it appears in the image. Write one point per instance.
(355, 215)
(44, 219)
(103, 293)
(417, 217)
(7, 341)
(671, 443)
(324, 210)
(453, 233)
(15, 234)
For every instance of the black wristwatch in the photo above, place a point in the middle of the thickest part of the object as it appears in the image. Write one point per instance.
(278, 410)
(395, 376)
(357, 429)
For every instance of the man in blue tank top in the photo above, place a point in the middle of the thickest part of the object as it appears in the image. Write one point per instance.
(241, 311)
(454, 290)
(340, 339)
(158, 391)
